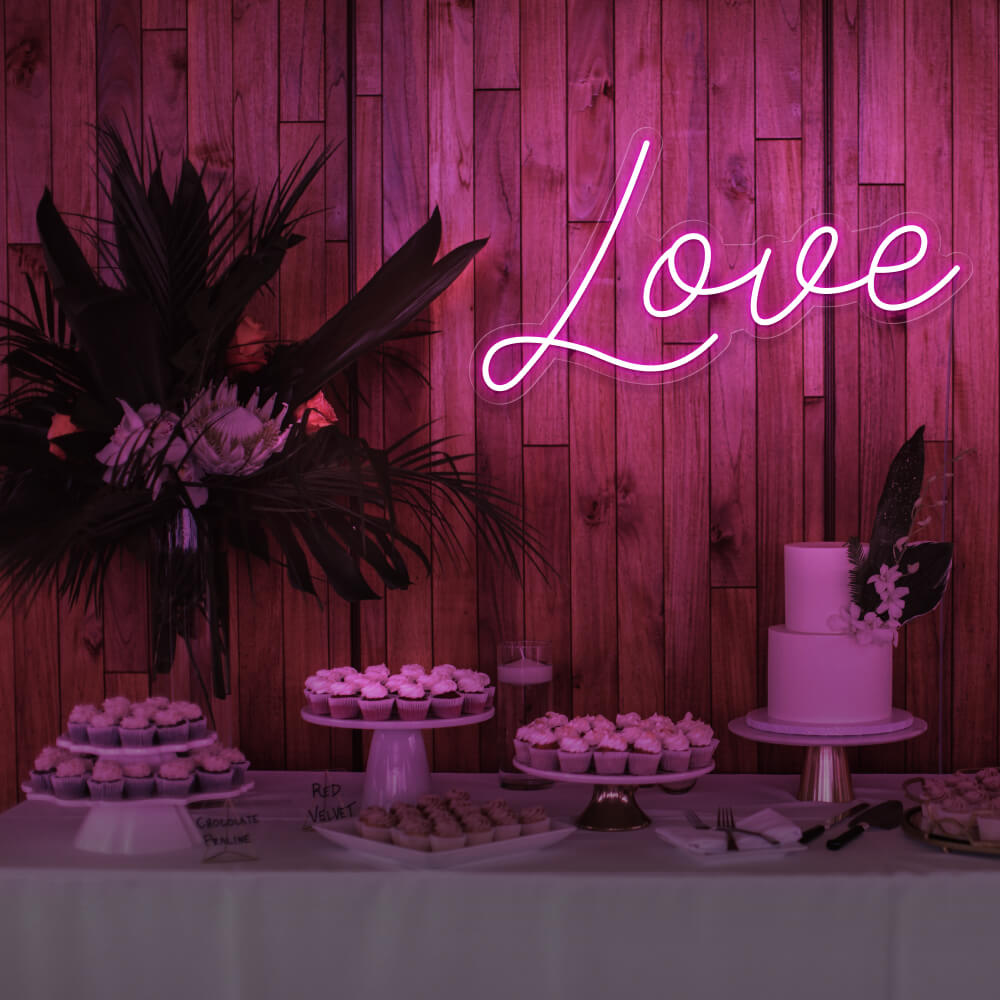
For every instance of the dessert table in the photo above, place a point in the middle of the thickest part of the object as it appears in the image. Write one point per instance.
(597, 915)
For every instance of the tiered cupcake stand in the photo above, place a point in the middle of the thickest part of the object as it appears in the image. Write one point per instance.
(826, 775)
(397, 768)
(612, 806)
(137, 826)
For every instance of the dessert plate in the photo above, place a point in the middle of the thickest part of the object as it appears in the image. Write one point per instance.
(344, 833)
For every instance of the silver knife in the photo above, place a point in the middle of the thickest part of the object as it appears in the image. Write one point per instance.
(817, 831)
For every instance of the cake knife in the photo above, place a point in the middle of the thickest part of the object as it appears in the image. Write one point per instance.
(885, 816)
(817, 831)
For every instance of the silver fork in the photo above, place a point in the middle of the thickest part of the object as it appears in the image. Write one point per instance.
(724, 821)
(699, 824)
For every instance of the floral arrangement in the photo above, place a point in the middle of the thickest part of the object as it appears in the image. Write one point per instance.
(896, 578)
(154, 414)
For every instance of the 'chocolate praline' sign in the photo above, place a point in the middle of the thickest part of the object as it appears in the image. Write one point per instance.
(890, 257)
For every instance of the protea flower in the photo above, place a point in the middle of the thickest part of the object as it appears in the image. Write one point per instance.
(230, 438)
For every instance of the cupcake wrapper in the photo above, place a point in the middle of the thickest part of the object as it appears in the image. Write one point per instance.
(174, 788)
(610, 761)
(522, 751)
(446, 708)
(380, 833)
(702, 756)
(574, 763)
(474, 702)
(539, 826)
(490, 695)
(215, 781)
(319, 704)
(137, 737)
(106, 791)
(412, 711)
(41, 781)
(474, 839)
(643, 764)
(507, 832)
(439, 843)
(173, 734)
(105, 736)
(343, 708)
(139, 788)
(675, 760)
(544, 760)
(69, 787)
(376, 711)
(78, 732)
(240, 773)
(198, 729)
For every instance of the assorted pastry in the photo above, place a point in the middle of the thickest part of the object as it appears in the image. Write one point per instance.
(630, 744)
(964, 805)
(411, 695)
(449, 822)
(119, 722)
(68, 775)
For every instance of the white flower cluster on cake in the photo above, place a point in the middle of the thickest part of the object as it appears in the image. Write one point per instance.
(121, 722)
(642, 746)
(964, 805)
(449, 822)
(378, 695)
(882, 624)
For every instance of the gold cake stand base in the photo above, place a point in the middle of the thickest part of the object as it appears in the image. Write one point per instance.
(826, 776)
(612, 809)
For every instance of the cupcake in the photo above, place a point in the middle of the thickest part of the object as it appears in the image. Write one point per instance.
(70, 778)
(175, 779)
(447, 670)
(446, 699)
(156, 703)
(171, 726)
(377, 672)
(413, 832)
(139, 780)
(343, 700)
(117, 707)
(522, 748)
(197, 723)
(473, 692)
(574, 754)
(240, 764)
(412, 702)
(136, 731)
(317, 692)
(394, 682)
(339, 673)
(374, 823)
(375, 702)
(45, 767)
(644, 760)
(106, 782)
(215, 773)
(543, 748)
(447, 835)
(489, 687)
(478, 828)
(611, 754)
(676, 754)
(534, 819)
(102, 730)
(703, 743)
(79, 719)
(625, 719)
(506, 825)
(411, 670)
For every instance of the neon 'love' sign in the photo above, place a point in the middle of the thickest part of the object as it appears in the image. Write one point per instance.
(822, 241)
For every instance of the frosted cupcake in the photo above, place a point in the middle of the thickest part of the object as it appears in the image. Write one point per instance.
(106, 782)
(197, 723)
(534, 819)
(507, 826)
(215, 773)
(703, 743)
(343, 700)
(139, 780)
(676, 754)
(136, 731)
(543, 749)
(171, 726)
(411, 670)
(374, 823)
(79, 719)
(574, 754)
(175, 779)
(446, 699)
(489, 687)
(413, 832)
(394, 682)
(447, 835)
(625, 719)
(317, 692)
(611, 754)
(473, 692)
(522, 748)
(644, 759)
(70, 779)
(240, 764)
(102, 730)
(117, 707)
(478, 829)
(444, 670)
(412, 701)
(45, 767)
(377, 672)
(375, 702)
(155, 703)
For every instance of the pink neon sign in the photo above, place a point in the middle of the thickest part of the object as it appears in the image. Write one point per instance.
(822, 240)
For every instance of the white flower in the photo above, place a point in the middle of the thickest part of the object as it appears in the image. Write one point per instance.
(847, 619)
(885, 579)
(892, 601)
(233, 439)
(872, 628)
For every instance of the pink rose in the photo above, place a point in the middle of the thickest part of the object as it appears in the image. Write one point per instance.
(61, 424)
(318, 413)
(249, 349)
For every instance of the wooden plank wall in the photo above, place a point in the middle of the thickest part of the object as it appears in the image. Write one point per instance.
(663, 509)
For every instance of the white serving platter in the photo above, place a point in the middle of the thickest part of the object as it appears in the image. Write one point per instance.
(344, 833)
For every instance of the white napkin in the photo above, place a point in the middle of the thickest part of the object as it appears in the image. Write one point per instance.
(714, 841)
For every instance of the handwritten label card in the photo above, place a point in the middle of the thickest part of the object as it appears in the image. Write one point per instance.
(327, 804)
(228, 837)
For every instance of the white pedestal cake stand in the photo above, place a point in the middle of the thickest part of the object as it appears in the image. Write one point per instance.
(826, 776)
(396, 770)
(612, 807)
(151, 755)
(153, 825)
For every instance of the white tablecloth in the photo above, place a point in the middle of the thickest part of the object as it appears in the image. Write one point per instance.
(598, 915)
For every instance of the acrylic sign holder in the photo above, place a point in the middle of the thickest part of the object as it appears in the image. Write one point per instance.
(826, 776)
(396, 770)
(612, 807)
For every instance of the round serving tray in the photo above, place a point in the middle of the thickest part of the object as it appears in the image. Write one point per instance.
(156, 750)
(149, 800)
(589, 778)
(913, 828)
(396, 725)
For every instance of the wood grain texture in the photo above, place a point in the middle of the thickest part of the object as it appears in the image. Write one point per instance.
(28, 61)
(300, 60)
(9, 776)
(164, 14)
(778, 58)
(164, 97)
(733, 669)
(337, 99)
(590, 167)
(368, 45)
(497, 60)
(881, 92)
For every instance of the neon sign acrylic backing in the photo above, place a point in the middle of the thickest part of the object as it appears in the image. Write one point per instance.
(899, 275)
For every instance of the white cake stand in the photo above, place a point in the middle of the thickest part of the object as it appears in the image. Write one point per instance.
(152, 755)
(826, 776)
(152, 825)
(612, 807)
(396, 770)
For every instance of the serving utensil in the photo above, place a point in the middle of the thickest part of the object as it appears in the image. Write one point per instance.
(885, 816)
(699, 824)
(817, 831)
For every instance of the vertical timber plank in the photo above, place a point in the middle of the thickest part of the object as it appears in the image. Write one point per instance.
(164, 97)
(734, 672)
(497, 59)
(778, 59)
(368, 46)
(300, 61)
(881, 92)
(164, 14)
(337, 99)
